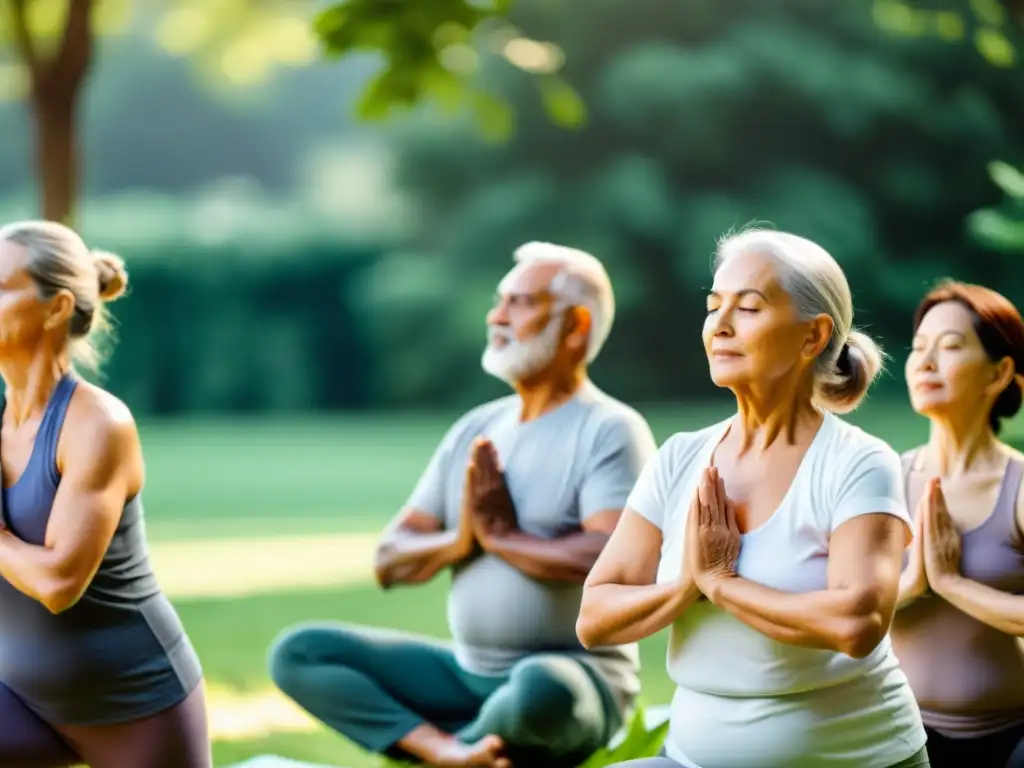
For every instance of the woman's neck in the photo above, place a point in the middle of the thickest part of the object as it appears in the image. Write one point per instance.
(961, 445)
(29, 384)
(786, 412)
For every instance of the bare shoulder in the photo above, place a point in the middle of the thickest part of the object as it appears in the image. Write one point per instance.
(99, 427)
(97, 408)
(1017, 456)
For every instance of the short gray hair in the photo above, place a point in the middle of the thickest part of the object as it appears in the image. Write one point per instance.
(59, 260)
(817, 285)
(581, 280)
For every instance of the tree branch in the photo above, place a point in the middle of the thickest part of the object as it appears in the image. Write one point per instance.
(1016, 10)
(75, 51)
(23, 38)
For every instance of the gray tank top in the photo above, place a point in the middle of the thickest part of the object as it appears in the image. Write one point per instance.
(968, 677)
(120, 653)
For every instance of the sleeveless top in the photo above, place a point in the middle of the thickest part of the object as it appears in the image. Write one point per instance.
(968, 677)
(120, 653)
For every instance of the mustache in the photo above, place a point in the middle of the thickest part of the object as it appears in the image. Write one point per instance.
(500, 334)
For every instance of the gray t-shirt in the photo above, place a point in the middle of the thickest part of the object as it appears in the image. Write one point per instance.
(561, 468)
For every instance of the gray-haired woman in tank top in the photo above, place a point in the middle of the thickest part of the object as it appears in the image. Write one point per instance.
(95, 667)
(962, 591)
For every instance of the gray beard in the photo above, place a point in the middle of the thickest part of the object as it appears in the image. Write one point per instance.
(518, 360)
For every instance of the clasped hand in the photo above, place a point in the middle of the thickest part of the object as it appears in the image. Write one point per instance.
(712, 534)
(487, 509)
(935, 552)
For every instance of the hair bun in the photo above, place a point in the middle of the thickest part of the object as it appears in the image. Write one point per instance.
(857, 366)
(111, 275)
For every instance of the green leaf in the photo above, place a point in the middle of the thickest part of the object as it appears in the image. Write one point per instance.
(996, 231)
(374, 102)
(1007, 178)
(446, 88)
(638, 742)
(562, 102)
(494, 116)
(995, 47)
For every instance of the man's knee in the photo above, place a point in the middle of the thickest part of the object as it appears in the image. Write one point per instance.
(297, 651)
(554, 698)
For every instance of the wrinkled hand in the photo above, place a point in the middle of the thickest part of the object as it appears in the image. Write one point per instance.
(492, 512)
(941, 539)
(713, 535)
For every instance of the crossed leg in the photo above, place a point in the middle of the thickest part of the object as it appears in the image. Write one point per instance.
(375, 687)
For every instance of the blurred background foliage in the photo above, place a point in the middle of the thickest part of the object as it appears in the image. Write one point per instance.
(316, 200)
(312, 258)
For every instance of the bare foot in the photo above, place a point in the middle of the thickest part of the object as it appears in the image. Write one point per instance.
(485, 753)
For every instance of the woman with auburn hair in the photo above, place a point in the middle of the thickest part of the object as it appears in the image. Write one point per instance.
(962, 590)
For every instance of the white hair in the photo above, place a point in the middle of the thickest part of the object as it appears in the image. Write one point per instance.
(581, 281)
(816, 285)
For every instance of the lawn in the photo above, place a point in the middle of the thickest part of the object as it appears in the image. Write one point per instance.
(259, 524)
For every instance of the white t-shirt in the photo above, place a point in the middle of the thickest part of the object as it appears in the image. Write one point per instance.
(742, 698)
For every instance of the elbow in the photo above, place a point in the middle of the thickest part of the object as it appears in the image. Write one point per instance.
(382, 572)
(382, 577)
(861, 635)
(585, 632)
(588, 628)
(58, 596)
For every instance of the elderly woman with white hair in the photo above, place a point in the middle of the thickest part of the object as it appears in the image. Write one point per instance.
(771, 542)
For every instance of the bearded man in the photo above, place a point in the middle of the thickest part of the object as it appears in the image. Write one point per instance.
(518, 501)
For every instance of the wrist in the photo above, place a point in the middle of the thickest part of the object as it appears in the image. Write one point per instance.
(944, 582)
(492, 541)
(714, 584)
(687, 587)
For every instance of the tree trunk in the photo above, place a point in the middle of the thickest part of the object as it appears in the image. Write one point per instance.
(56, 87)
(55, 113)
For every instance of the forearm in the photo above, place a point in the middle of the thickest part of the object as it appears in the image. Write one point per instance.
(413, 558)
(614, 614)
(566, 558)
(842, 620)
(31, 570)
(1000, 610)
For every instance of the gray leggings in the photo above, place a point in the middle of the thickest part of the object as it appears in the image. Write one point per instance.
(174, 738)
(917, 760)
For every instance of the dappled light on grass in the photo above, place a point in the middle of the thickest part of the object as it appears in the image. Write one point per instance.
(234, 567)
(237, 716)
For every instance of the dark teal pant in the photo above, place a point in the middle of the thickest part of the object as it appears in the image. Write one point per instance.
(375, 686)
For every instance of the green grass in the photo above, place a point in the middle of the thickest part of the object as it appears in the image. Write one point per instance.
(271, 479)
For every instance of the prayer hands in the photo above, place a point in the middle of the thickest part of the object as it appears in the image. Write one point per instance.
(712, 536)
(941, 540)
(491, 511)
(915, 573)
